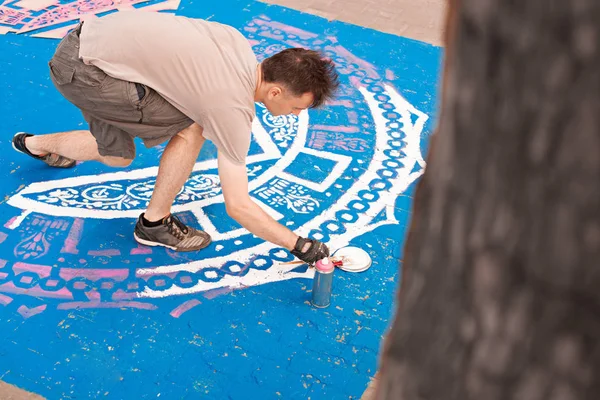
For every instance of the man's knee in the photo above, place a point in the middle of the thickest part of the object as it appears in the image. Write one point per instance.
(118, 162)
(192, 134)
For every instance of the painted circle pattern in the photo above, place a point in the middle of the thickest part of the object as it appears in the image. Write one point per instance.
(329, 175)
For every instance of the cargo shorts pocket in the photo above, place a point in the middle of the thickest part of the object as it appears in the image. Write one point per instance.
(61, 72)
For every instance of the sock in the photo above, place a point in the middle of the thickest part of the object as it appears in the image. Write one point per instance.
(151, 224)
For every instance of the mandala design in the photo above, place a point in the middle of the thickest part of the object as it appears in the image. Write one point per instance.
(282, 128)
(331, 174)
(293, 197)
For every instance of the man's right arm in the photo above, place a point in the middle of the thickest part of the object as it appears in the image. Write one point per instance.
(239, 205)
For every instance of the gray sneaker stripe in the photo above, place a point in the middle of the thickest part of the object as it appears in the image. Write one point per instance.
(192, 241)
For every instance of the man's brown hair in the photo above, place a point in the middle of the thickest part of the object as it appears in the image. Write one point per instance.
(303, 71)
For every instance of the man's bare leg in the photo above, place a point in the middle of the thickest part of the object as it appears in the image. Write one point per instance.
(76, 145)
(175, 167)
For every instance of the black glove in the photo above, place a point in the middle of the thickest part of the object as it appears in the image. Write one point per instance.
(316, 251)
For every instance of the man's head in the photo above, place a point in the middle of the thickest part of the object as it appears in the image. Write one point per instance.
(296, 79)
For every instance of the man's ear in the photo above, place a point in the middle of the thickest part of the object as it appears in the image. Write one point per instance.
(275, 91)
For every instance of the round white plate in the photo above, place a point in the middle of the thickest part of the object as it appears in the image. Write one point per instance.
(354, 259)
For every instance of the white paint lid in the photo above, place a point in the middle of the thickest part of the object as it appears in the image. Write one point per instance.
(354, 259)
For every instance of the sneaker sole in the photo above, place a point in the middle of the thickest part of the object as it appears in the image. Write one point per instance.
(155, 244)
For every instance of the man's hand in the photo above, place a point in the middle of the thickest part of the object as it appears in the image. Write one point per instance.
(309, 250)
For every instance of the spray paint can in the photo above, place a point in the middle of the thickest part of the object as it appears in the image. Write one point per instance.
(321, 293)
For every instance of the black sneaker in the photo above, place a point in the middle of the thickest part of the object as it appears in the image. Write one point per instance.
(53, 160)
(172, 233)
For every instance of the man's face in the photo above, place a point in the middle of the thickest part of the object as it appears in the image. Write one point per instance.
(281, 102)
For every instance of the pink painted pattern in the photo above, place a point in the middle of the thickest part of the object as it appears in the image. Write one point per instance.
(27, 312)
(14, 14)
(336, 128)
(186, 306)
(265, 21)
(42, 270)
(364, 65)
(211, 294)
(5, 300)
(106, 252)
(9, 16)
(73, 239)
(94, 273)
(10, 222)
(141, 250)
(321, 140)
(98, 304)
(9, 287)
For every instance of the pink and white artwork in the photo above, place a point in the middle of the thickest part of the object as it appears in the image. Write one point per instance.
(54, 18)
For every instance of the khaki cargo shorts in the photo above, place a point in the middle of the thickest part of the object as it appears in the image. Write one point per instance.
(117, 111)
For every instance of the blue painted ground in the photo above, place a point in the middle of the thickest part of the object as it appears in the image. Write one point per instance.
(263, 342)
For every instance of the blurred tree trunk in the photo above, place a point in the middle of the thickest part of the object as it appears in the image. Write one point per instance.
(500, 292)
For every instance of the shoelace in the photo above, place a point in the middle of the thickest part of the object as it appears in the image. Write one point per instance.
(176, 227)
